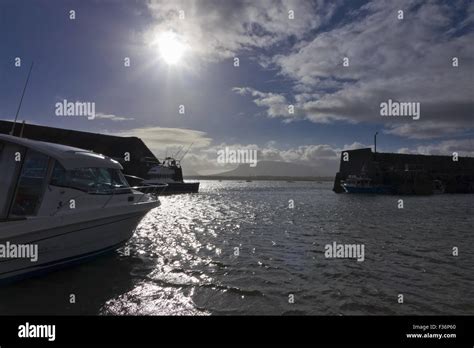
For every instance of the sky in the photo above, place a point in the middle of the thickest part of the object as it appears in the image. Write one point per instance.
(334, 62)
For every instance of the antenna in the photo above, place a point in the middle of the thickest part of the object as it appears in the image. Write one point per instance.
(189, 148)
(21, 100)
(177, 153)
(375, 142)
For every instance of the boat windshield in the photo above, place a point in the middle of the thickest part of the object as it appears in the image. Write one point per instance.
(90, 180)
(29, 193)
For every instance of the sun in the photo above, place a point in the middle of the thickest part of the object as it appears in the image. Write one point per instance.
(171, 47)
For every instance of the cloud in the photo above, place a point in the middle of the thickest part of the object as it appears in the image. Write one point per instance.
(216, 30)
(276, 104)
(322, 157)
(161, 140)
(111, 117)
(425, 130)
(404, 60)
(355, 145)
(464, 147)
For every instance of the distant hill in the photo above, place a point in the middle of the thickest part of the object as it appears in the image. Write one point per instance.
(187, 172)
(272, 168)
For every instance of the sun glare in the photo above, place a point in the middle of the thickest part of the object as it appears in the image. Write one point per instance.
(171, 47)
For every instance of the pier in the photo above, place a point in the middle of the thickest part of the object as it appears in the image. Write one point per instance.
(407, 173)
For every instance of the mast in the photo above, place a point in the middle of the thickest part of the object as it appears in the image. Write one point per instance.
(189, 148)
(21, 100)
(177, 153)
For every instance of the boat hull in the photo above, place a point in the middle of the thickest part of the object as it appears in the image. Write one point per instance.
(173, 188)
(182, 187)
(66, 245)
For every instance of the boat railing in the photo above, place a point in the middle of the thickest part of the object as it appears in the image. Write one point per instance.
(146, 190)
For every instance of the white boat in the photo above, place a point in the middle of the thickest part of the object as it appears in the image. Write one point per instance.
(71, 204)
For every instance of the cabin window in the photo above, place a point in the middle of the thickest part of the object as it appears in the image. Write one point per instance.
(9, 172)
(91, 180)
(30, 189)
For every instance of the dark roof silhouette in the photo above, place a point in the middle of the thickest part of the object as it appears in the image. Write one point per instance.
(109, 145)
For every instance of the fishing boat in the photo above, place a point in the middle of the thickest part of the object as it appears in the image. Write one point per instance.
(169, 172)
(66, 203)
(363, 184)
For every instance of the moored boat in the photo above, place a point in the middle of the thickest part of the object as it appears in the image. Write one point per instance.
(363, 184)
(169, 172)
(67, 203)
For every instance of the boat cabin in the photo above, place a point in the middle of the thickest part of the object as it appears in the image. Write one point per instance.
(29, 167)
(169, 170)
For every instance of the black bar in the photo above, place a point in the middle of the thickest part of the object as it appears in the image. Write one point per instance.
(259, 330)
